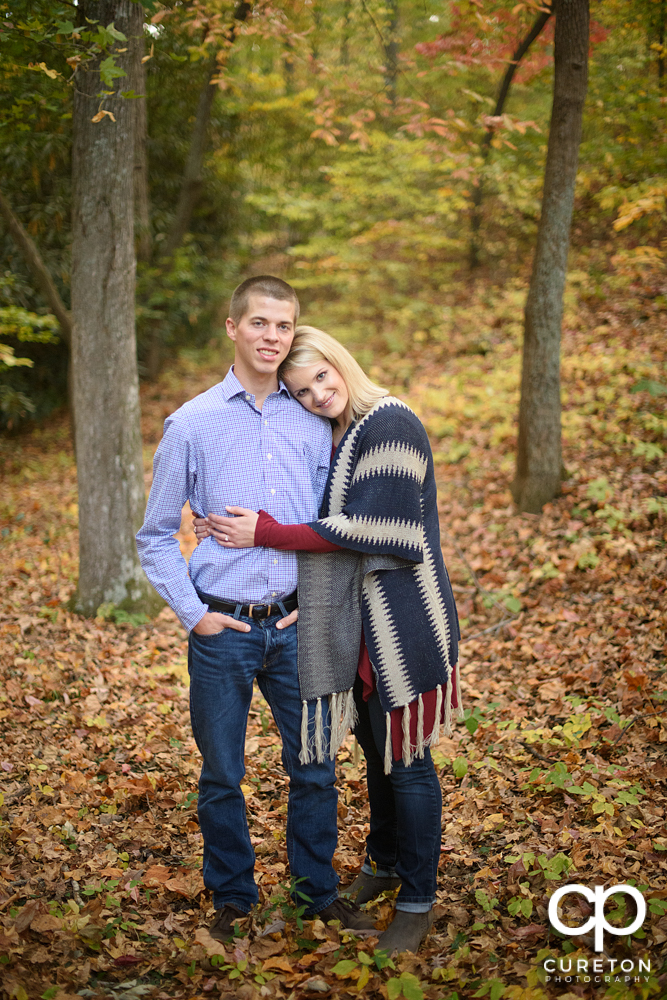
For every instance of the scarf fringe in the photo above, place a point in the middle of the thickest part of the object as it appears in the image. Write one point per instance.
(304, 755)
(319, 734)
(459, 699)
(420, 726)
(387, 743)
(447, 727)
(407, 755)
(435, 735)
(342, 718)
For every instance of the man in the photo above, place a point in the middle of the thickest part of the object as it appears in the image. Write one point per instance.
(246, 443)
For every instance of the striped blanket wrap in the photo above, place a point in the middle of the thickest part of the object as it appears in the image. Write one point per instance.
(389, 580)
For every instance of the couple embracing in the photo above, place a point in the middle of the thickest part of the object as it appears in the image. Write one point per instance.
(315, 499)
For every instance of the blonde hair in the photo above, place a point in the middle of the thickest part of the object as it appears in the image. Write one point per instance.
(311, 346)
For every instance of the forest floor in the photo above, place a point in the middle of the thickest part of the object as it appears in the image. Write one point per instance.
(556, 776)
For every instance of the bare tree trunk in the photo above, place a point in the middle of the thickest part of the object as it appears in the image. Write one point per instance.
(539, 462)
(345, 34)
(478, 195)
(661, 42)
(106, 387)
(391, 47)
(142, 198)
(37, 268)
(192, 178)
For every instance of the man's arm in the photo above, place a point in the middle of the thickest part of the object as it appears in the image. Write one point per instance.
(174, 469)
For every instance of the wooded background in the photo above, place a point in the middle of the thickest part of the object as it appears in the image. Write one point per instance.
(415, 169)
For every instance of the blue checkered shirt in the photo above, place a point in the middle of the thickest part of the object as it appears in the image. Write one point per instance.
(220, 450)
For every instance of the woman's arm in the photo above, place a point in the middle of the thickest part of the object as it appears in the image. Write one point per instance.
(248, 529)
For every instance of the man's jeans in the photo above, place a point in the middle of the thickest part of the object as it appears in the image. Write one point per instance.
(406, 810)
(222, 670)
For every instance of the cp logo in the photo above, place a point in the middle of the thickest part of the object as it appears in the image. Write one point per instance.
(598, 921)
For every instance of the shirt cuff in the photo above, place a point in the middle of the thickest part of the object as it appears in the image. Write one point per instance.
(192, 614)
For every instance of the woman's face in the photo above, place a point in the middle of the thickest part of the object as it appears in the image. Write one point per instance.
(320, 388)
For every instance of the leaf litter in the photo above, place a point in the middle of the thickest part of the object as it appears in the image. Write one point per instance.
(557, 774)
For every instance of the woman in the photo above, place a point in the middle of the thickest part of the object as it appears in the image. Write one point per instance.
(378, 630)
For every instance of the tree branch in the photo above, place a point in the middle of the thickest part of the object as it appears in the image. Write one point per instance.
(518, 55)
(37, 268)
(478, 194)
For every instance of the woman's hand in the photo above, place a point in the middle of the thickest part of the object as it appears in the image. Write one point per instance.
(236, 532)
(200, 528)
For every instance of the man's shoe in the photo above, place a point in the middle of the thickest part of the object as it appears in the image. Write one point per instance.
(350, 916)
(406, 932)
(222, 926)
(366, 887)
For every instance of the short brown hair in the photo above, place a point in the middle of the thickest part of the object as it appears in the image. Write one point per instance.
(261, 284)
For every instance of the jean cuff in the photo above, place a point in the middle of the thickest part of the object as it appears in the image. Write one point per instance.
(238, 903)
(379, 872)
(312, 912)
(408, 907)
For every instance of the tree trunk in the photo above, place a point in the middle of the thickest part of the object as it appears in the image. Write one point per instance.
(478, 195)
(142, 199)
(539, 462)
(33, 261)
(192, 178)
(391, 47)
(661, 42)
(345, 34)
(106, 386)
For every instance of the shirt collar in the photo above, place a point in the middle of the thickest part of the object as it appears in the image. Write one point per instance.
(232, 387)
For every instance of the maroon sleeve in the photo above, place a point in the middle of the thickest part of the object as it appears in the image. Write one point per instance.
(272, 535)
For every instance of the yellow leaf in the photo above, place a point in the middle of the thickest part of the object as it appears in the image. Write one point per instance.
(100, 115)
(51, 73)
(363, 978)
(150, 55)
(247, 789)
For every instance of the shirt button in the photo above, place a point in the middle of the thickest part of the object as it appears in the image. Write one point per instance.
(275, 561)
(274, 593)
(248, 398)
(269, 457)
(273, 491)
(266, 422)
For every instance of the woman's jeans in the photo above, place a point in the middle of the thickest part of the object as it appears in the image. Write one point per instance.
(406, 808)
(222, 670)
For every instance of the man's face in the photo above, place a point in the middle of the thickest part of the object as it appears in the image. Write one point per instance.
(262, 337)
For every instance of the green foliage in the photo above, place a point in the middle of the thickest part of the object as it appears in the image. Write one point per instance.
(460, 767)
(406, 985)
(315, 168)
(109, 612)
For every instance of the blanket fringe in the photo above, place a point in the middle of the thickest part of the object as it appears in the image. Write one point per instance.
(407, 756)
(319, 733)
(435, 737)
(459, 699)
(420, 727)
(305, 755)
(387, 743)
(447, 728)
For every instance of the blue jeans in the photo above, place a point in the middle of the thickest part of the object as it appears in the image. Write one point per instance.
(222, 670)
(406, 811)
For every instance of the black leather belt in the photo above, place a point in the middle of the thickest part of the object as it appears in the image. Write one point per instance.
(257, 611)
